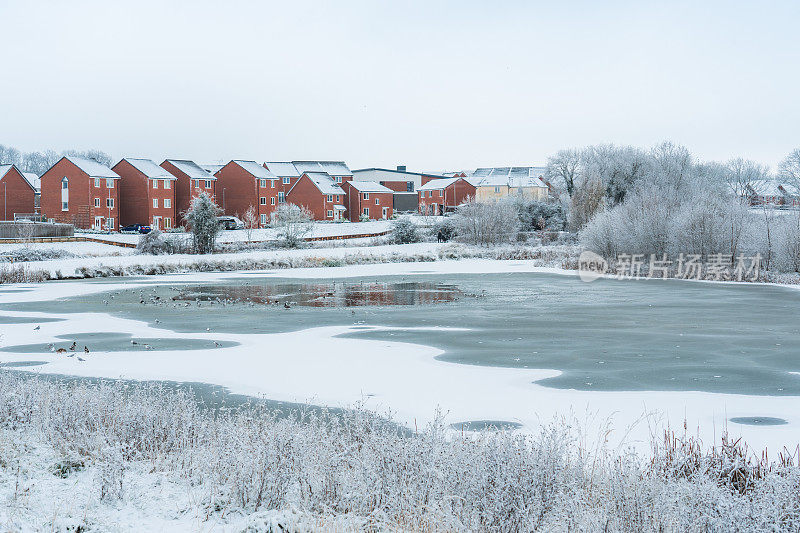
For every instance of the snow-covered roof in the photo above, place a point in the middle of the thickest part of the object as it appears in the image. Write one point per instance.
(334, 168)
(324, 182)
(191, 169)
(255, 169)
(509, 172)
(438, 184)
(92, 167)
(211, 169)
(368, 186)
(283, 169)
(339, 207)
(395, 171)
(149, 168)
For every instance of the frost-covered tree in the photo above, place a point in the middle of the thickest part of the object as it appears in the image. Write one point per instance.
(564, 170)
(250, 220)
(9, 155)
(293, 222)
(202, 219)
(745, 178)
(789, 169)
(486, 223)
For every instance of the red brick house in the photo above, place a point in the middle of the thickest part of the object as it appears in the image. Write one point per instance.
(437, 197)
(81, 192)
(287, 176)
(147, 194)
(369, 199)
(318, 192)
(190, 181)
(242, 184)
(17, 192)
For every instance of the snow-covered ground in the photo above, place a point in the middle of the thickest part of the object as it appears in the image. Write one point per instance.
(77, 248)
(325, 368)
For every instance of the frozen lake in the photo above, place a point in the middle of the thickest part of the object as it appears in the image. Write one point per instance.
(493, 344)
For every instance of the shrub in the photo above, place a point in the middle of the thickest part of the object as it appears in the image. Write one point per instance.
(486, 222)
(154, 243)
(404, 231)
(23, 255)
(538, 216)
(444, 230)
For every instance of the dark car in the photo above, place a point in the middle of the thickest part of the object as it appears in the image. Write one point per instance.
(228, 222)
(136, 228)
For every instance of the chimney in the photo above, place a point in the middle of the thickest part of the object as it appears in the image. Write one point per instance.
(401, 168)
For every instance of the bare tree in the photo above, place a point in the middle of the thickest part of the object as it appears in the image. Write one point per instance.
(486, 223)
(745, 178)
(789, 169)
(250, 220)
(294, 222)
(563, 170)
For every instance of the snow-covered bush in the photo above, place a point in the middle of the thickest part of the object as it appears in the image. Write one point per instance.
(23, 255)
(404, 231)
(536, 215)
(363, 218)
(202, 219)
(484, 223)
(294, 222)
(154, 243)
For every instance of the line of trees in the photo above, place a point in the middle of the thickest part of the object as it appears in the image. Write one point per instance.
(40, 162)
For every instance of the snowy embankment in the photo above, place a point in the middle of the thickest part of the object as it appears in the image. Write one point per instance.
(113, 457)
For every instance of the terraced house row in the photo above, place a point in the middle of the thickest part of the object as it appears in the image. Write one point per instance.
(89, 194)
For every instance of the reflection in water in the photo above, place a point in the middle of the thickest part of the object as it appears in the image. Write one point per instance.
(335, 294)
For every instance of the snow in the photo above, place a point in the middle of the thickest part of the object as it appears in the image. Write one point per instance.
(92, 167)
(283, 169)
(77, 248)
(334, 168)
(255, 169)
(191, 169)
(325, 368)
(324, 183)
(438, 184)
(149, 168)
(369, 186)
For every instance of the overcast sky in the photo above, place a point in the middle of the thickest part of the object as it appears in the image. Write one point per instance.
(434, 85)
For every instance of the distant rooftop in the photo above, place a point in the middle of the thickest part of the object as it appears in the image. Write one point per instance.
(324, 182)
(283, 169)
(191, 169)
(149, 168)
(369, 186)
(255, 169)
(334, 168)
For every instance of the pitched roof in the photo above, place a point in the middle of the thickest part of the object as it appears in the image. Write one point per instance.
(92, 167)
(435, 185)
(191, 169)
(211, 169)
(432, 174)
(368, 186)
(255, 169)
(334, 168)
(324, 182)
(507, 176)
(149, 168)
(283, 169)
(31, 178)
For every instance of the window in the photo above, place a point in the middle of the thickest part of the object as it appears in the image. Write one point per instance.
(330, 197)
(377, 201)
(330, 213)
(155, 203)
(262, 183)
(110, 185)
(287, 181)
(409, 186)
(167, 223)
(196, 184)
(272, 183)
(65, 206)
(272, 201)
(338, 179)
(263, 200)
(208, 184)
(97, 202)
(366, 196)
(97, 182)
(167, 185)
(281, 197)
(338, 196)
(497, 189)
(155, 184)
(167, 202)
(109, 203)
(263, 219)
(366, 211)
(65, 183)
(109, 223)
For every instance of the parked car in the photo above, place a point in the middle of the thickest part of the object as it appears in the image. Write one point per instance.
(228, 222)
(137, 228)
